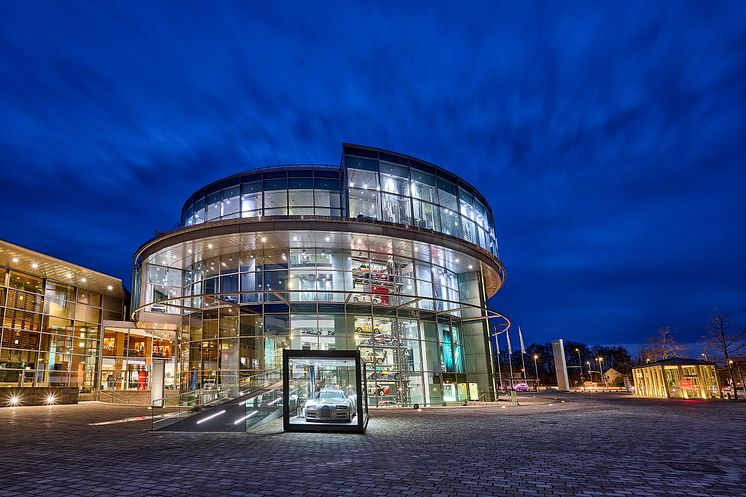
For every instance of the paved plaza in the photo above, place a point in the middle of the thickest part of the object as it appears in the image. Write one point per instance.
(570, 444)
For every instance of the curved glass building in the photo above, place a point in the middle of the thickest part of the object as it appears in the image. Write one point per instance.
(384, 253)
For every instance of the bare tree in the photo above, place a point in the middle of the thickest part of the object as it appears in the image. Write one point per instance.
(722, 340)
(661, 346)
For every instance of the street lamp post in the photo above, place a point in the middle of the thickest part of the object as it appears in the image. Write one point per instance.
(601, 369)
(590, 371)
(732, 379)
(580, 365)
(536, 368)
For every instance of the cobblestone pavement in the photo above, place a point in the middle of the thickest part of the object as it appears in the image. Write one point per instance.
(587, 445)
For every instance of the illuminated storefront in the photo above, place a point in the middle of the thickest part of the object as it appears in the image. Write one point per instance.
(52, 313)
(384, 253)
(677, 378)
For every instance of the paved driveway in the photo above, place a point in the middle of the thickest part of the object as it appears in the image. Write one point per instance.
(590, 444)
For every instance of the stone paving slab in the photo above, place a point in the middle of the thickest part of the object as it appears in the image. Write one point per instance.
(588, 445)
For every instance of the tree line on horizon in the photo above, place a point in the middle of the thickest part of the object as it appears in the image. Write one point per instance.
(723, 340)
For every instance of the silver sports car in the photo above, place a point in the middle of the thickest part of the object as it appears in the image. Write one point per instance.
(329, 404)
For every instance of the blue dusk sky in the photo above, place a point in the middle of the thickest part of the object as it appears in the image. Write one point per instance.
(609, 137)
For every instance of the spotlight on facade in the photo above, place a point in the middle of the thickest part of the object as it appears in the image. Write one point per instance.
(50, 399)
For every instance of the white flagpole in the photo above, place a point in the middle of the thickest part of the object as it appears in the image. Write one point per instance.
(499, 369)
(523, 352)
(510, 358)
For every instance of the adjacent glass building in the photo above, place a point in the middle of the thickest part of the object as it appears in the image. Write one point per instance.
(52, 313)
(384, 253)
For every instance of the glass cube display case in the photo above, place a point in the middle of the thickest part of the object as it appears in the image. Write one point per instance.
(324, 390)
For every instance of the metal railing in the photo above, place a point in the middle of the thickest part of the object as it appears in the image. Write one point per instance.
(174, 408)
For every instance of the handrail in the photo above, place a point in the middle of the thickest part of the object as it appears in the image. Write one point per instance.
(485, 313)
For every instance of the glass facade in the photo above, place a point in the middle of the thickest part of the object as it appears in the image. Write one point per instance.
(291, 191)
(127, 358)
(369, 186)
(51, 330)
(415, 309)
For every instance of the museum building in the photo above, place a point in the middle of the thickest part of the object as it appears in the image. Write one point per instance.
(384, 253)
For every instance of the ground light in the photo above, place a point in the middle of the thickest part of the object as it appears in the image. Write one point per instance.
(51, 399)
(14, 400)
(211, 416)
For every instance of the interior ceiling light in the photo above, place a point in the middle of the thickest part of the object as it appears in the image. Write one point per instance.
(209, 245)
(15, 259)
(83, 280)
(34, 265)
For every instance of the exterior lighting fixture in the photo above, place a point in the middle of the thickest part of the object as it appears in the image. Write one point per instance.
(69, 275)
(264, 239)
(471, 266)
(295, 238)
(457, 261)
(83, 280)
(34, 265)
(14, 400)
(326, 239)
(15, 259)
(110, 288)
(50, 399)
(189, 251)
(209, 245)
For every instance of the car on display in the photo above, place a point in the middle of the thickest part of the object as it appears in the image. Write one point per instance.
(385, 375)
(379, 390)
(366, 329)
(377, 295)
(381, 339)
(521, 387)
(310, 331)
(329, 405)
(372, 358)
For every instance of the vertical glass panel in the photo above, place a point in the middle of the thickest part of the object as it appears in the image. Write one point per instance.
(425, 216)
(327, 202)
(301, 202)
(214, 203)
(364, 203)
(367, 180)
(231, 202)
(251, 199)
(394, 178)
(449, 222)
(447, 194)
(396, 209)
(469, 231)
(199, 211)
(423, 186)
(189, 217)
(275, 203)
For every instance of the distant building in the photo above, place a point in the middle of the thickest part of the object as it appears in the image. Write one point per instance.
(677, 378)
(611, 375)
